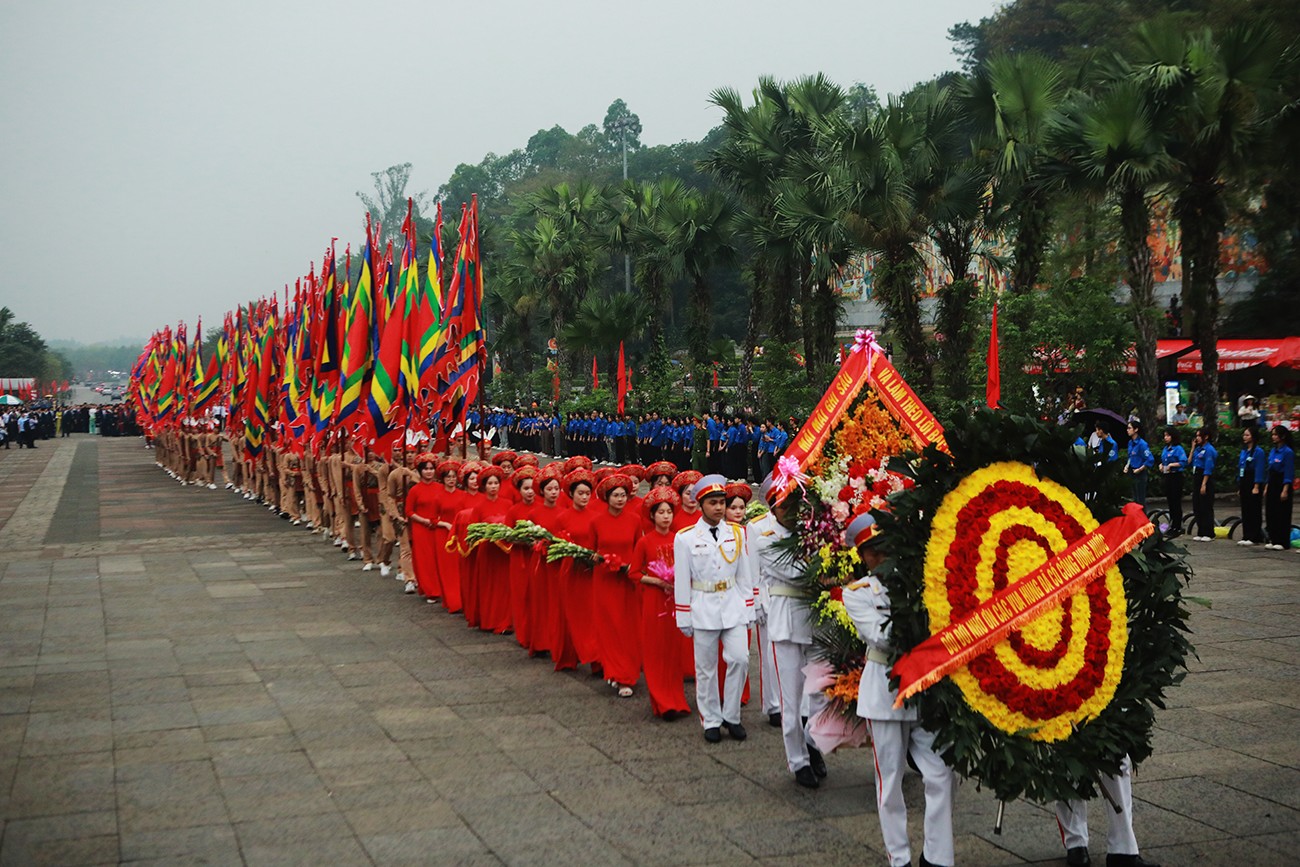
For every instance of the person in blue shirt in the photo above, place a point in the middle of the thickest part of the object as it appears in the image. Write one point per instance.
(1277, 491)
(780, 437)
(1252, 474)
(1103, 444)
(766, 449)
(1173, 460)
(1140, 461)
(1204, 456)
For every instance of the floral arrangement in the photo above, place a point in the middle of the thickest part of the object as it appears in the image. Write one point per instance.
(755, 510)
(560, 549)
(1061, 669)
(1069, 694)
(868, 433)
(522, 533)
(856, 459)
(663, 570)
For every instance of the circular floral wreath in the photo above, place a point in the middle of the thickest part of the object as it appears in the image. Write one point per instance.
(998, 525)
(1068, 695)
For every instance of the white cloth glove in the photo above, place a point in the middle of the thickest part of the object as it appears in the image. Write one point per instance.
(687, 631)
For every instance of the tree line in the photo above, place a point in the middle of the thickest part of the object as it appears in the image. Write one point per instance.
(1043, 159)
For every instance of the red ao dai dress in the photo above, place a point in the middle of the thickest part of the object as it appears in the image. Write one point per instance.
(574, 600)
(490, 565)
(616, 603)
(665, 652)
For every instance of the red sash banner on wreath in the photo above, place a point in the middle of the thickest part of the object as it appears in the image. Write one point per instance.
(1045, 588)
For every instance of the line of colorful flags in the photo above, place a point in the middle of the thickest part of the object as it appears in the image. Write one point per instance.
(395, 351)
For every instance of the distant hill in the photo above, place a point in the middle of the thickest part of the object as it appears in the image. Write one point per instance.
(96, 359)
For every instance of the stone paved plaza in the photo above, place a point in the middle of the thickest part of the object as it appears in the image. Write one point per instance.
(186, 679)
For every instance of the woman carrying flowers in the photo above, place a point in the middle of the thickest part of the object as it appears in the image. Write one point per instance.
(576, 526)
(490, 562)
(665, 652)
(522, 481)
(549, 633)
(616, 607)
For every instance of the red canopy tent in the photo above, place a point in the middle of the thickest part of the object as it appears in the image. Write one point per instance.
(1243, 354)
(1164, 349)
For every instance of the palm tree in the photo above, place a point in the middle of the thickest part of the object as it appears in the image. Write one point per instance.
(639, 229)
(603, 322)
(1113, 144)
(562, 232)
(700, 232)
(768, 145)
(1012, 99)
(1224, 94)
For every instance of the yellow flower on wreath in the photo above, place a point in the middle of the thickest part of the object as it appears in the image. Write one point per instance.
(1041, 633)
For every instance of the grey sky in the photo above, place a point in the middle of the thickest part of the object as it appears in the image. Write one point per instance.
(165, 160)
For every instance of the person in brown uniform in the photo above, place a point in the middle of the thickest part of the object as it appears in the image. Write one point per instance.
(310, 490)
(340, 474)
(400, 481)
(291, 484)
(369, 483)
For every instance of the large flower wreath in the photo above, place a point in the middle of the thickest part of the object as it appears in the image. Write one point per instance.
(1068, 695)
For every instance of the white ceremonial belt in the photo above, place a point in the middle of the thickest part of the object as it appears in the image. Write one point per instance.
(785, 590)
(710, 586)
(875, 654)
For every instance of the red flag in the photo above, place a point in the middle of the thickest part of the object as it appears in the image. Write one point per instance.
(622, 379)
(595, 377)
(993, 388)
(715, 376)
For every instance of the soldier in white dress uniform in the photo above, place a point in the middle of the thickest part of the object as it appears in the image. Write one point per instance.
(895, 732)
(787, 628)
(1121, 842)
(713, 591)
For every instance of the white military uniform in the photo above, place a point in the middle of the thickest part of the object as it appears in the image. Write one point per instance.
(895, 733)
(787, 630)
(1072, 816)
(714, 596)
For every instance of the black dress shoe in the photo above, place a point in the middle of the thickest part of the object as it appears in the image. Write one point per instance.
(816, 762)
(1129, 861)
(713, 735)
(925, 863)
(1077, 856)
(774, 720)
(736, 730)
(806, 778)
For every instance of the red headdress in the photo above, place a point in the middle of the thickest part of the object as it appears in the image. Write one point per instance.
(576, 477)
(612, 482)
(739, 489)
(661, 468)
(685, 479)
(661, 495)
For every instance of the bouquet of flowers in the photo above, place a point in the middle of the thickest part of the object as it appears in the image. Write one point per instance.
(561, 549)
(664, 572)
(522, 533)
